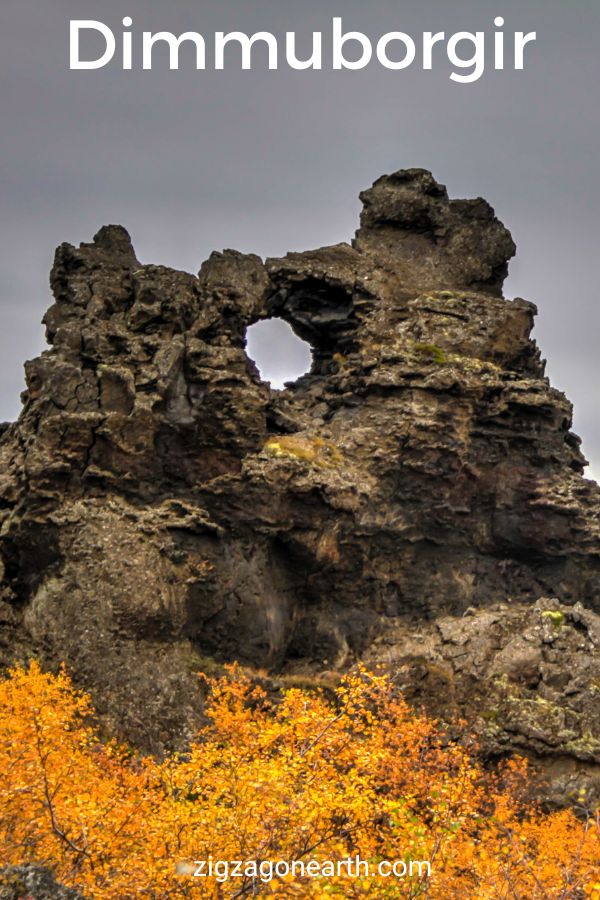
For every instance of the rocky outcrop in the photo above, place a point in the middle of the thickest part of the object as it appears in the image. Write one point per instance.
(162, 508)
(526, 677)
(33, 883)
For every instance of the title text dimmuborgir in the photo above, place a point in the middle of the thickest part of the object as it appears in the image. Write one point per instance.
(469, 54)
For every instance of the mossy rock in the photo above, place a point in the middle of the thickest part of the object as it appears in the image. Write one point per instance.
(313, 450)
(555, 617)
(432, 352)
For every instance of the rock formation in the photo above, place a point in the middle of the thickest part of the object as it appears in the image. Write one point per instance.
(33, 883)
(411, 501)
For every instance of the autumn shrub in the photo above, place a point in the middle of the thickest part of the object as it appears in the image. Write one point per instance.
(310, 776)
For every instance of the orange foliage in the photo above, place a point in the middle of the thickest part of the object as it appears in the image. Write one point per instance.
(307, 778)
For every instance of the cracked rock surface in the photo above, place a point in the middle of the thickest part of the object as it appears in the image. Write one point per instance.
(161, 508)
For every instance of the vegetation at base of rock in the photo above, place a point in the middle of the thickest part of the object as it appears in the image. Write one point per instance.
(314, 450)
(310, 777)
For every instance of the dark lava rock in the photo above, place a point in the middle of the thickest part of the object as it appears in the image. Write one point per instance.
(526, 678)
(162, 508)
(33, 883)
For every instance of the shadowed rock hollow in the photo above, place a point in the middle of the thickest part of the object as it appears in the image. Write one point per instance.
(411, 501)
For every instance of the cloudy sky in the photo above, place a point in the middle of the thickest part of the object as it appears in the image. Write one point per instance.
(269, 161)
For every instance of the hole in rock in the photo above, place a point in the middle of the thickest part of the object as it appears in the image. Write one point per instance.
(279, 354)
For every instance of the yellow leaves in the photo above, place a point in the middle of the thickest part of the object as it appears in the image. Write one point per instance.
(309, 778)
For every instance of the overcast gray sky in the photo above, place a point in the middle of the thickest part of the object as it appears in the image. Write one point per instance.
(269, 161)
